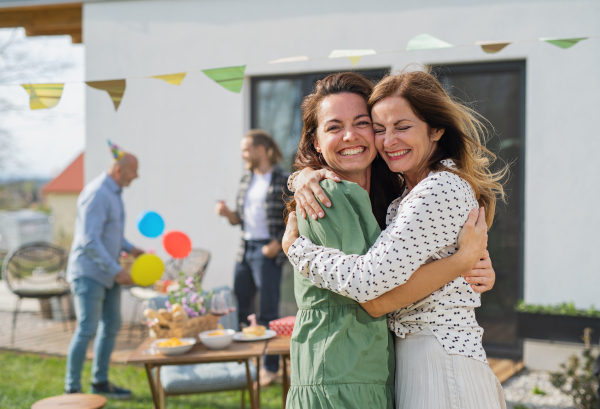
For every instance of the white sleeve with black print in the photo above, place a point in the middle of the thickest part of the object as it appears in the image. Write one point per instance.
(428, 219)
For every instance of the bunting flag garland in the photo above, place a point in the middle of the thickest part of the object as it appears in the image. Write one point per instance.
(353, 55)
(563, 42)
(290, 59)
(492, 47)
(173, 79)
(231, 78)
(115, 89)
(43, 96)
(426, 42)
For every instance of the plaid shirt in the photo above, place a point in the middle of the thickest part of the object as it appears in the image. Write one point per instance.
(274, 205)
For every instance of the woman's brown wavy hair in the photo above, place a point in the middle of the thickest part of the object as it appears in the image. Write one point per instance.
(386, 185)
(463, 139)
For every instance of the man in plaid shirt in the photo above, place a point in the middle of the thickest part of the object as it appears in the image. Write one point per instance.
(259, 210)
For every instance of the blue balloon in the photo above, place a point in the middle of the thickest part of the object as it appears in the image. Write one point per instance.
(150, 224)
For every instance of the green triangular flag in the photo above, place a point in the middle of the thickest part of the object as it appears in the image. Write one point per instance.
(426, 42)
(231, 78)
(563, 42)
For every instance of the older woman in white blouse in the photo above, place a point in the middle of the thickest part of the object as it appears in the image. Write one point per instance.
(436, 144)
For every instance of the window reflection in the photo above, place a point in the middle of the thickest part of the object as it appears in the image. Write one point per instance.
(276, 108)
(497, 92)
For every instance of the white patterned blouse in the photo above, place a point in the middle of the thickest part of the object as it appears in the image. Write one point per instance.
(422, 226)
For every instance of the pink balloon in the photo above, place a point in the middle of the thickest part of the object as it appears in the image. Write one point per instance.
(177, 244)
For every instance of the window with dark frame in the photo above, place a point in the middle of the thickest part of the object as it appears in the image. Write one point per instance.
(275, 107)
(497, 92)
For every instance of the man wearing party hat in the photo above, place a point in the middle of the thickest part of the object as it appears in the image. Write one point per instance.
(96, 275)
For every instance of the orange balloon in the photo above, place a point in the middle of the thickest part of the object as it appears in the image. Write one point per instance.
(177, 244)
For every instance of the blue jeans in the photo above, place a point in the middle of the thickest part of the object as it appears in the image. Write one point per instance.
(97, 308)
(258, 273)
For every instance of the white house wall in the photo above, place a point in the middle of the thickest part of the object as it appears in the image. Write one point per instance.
(187, 136)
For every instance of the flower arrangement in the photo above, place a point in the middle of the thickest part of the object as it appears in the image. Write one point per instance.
(189, 295)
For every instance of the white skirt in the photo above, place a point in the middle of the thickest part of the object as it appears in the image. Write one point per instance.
(427, 377)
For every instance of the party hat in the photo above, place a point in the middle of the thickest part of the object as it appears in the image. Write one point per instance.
(117, 153)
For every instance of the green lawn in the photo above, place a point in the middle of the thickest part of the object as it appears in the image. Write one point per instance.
(28, 378)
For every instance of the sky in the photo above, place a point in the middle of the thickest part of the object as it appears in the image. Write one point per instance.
(44, 141)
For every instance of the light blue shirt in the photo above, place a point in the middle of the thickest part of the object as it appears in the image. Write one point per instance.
(99, 232)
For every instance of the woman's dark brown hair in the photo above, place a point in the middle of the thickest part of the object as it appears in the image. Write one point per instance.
(386, 185)
(464, 133)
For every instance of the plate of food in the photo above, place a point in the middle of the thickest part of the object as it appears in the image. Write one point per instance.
(173, 346)
(254, 333)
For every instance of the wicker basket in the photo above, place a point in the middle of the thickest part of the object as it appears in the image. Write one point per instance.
(187, 328)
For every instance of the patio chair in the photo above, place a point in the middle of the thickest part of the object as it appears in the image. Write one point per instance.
(193, 265)
(36, 270)
(204, 378)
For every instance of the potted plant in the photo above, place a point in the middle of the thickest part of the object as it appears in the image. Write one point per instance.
(562, 322)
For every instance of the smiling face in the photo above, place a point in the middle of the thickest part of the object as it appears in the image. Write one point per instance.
(403, 140)
(345, 135)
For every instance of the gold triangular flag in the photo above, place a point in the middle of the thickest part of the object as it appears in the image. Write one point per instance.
(492, 47)
(115, 89)
(173, 79)
(43, 96)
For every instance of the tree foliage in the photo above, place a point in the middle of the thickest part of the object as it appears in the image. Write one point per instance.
(22, 59)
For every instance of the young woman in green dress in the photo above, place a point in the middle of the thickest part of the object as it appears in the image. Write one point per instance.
(342, 357)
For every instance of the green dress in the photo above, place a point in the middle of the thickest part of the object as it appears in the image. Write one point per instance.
(341, 357)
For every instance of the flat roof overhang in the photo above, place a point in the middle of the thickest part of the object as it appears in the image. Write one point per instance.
(45, 19)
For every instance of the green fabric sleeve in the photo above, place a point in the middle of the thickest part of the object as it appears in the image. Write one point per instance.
(348, 225)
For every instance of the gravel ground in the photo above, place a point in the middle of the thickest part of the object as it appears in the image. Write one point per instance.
(518, 390)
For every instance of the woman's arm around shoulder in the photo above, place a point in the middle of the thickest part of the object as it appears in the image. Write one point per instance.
(430, 219)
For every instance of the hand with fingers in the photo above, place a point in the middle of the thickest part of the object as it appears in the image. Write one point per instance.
(123, 278)
(482, 277)
(291, 233)
(472, 243)
(308, 190)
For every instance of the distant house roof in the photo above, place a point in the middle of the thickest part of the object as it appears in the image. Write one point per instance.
(69, 181)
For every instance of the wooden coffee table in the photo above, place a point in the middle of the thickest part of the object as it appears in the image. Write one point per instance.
(199, 354)
(73, 400)
(280, 345)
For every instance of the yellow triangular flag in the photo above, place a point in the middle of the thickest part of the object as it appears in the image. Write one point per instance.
(353, 55)
(173, 79)
(355, 60)
(115, 89)
(492, 47)
(43, 96)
